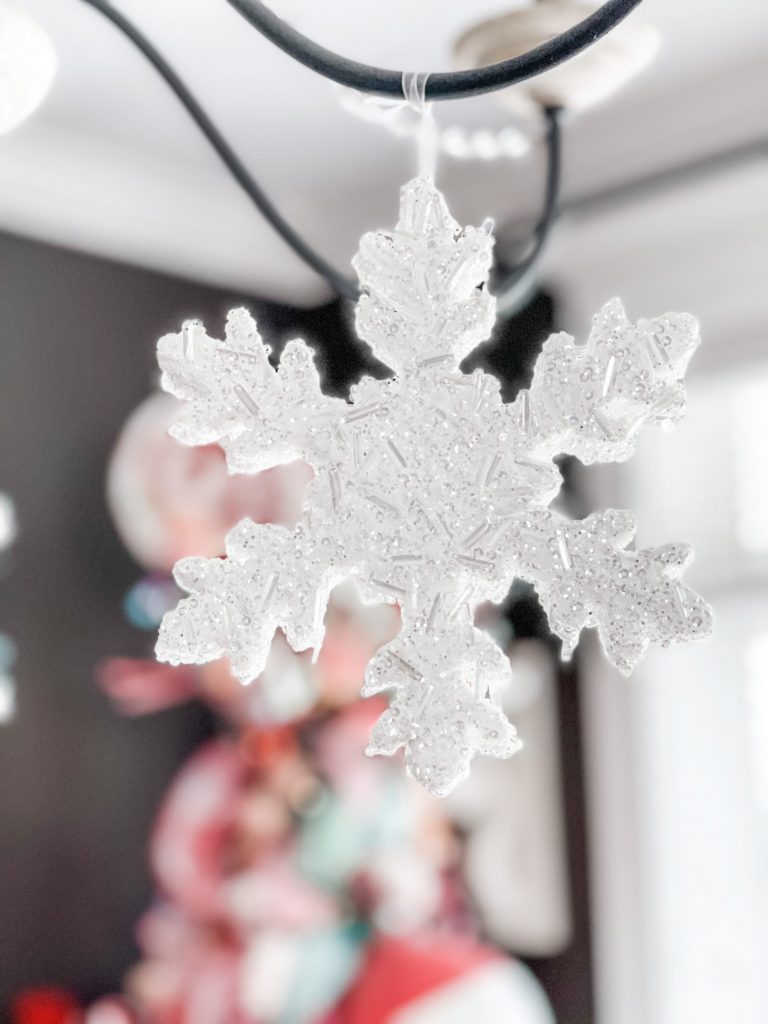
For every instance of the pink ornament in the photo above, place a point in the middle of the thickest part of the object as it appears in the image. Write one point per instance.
(190, 974)
(138, 686)
(109, 1011)
(169, 501)
(195, 825)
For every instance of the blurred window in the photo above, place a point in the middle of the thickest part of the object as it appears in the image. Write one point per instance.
(700, 714)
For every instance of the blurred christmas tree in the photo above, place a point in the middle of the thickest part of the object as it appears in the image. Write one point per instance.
(298, 882)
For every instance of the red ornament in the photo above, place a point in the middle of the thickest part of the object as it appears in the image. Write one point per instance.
(46, 1006)
(397, 972)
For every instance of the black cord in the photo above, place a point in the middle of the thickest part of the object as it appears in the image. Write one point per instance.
(511, 291)
(345, 286)
(440, 85)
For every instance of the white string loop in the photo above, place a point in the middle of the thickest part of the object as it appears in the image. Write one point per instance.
(414, 93)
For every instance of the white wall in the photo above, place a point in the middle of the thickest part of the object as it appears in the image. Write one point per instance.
(677, 827)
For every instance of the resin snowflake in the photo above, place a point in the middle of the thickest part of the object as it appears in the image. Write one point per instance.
(429, 490)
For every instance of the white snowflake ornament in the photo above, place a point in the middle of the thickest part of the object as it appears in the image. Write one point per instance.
(430, 491)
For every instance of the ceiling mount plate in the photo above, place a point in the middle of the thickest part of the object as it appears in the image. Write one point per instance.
(580, 83)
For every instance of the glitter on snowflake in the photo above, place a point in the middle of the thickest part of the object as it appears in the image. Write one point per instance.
(446, 676)
(429, 490)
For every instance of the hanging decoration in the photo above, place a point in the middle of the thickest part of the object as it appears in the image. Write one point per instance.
(429, 490)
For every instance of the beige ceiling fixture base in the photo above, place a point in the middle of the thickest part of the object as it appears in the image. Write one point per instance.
(580, 83)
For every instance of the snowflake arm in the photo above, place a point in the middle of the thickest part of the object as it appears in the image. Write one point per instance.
(260, 417)
(592, 400)
(422, 301)
(585, 577)
(445, 675)
(271, 578)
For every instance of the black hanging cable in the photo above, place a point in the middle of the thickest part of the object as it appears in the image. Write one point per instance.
(445, 85)
(513, 289)
(344, 285)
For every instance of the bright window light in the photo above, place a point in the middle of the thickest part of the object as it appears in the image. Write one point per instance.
(749, 425)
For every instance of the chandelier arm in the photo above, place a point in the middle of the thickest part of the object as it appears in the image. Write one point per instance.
(345, 286)
(516, 285)
(514, 288)
(440, 85)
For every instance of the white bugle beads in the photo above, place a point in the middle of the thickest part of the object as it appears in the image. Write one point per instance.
(591, 400)
(260, 417)
(584, 577)
(429, 490)
(445, 675)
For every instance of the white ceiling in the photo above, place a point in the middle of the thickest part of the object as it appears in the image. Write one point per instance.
(112, 164)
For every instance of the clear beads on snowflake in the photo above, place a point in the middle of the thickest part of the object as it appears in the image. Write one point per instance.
(260, 417)
(584, 577)
(429, 490)
(446, 676)
(591, 400)
(423, 302)
(271, 577)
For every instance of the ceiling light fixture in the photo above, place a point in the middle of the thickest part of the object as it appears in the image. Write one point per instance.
(27, 65)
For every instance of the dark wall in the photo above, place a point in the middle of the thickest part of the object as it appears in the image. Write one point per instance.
(78, 784)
